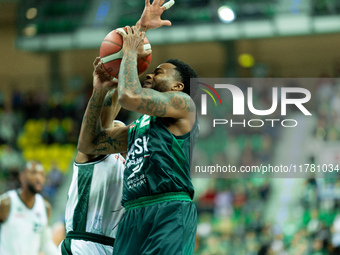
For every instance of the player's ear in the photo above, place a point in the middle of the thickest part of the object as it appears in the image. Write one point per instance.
(178, 86)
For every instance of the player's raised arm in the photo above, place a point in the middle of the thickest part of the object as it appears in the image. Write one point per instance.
(93, 139)
(162, 92)
(110, 109)
(151, 16)
(109, 112)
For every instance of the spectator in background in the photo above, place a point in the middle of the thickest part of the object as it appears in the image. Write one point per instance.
(335, 230)
(10, 159)
(53, 181)
(2, 99)
(24, 216)
(8, 127)
(324, 88)
(17, 99)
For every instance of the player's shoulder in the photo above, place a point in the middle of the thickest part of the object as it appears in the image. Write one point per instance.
(5, 203)
(178, 94)
(4, 199)
(181, 100)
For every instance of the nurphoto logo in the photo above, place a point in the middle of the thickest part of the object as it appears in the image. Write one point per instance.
(281, 97)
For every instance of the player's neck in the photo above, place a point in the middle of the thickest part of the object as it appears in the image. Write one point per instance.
(27, 197)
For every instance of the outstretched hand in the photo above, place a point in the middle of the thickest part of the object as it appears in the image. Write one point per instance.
(151, 16)
(101, 78)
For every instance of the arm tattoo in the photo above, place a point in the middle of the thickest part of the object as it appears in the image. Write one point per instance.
(104, 140)
(150, 100)
(181, 102)
(152, 104)
(108, 99)
(91, 117)
(130, 74)
(93, 139)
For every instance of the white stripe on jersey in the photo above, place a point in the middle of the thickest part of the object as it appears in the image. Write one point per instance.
(104, 202)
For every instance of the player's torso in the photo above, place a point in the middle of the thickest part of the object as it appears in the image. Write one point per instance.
(21, 232)
(94, 196)
(157, 161)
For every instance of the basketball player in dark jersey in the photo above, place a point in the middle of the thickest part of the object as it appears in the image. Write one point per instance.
(160, 216)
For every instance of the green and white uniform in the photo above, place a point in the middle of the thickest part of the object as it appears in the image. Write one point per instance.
(21, 232)
(160, 216)
(93, 209)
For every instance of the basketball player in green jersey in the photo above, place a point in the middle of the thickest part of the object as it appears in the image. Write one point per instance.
(160, 216)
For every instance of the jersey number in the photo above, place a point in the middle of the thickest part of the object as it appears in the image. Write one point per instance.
(145, 121)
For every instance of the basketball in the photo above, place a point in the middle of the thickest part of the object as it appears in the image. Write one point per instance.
(111, 53)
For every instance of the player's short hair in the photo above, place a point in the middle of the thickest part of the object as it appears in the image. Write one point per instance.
(29, 164)
(185, 73)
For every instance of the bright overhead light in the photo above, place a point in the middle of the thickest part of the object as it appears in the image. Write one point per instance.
(246, 60)
(30, 30)
(31, 13)
(226, 14)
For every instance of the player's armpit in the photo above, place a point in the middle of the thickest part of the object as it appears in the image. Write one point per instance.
(108, 141)
(83, 158)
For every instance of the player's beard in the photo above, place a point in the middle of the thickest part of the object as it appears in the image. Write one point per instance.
(161, 86)
(32, 189)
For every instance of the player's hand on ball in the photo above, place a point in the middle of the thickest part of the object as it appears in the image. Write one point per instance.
(142, 53)
(133, 41)
(101, 78)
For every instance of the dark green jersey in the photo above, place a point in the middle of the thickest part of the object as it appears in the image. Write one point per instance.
(157, 161)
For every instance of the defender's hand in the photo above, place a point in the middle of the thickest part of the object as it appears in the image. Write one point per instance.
(133, 41)
(151, 16)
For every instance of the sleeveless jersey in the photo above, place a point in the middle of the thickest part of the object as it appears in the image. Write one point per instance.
(158, 161)
(94, 196)
(21, 232)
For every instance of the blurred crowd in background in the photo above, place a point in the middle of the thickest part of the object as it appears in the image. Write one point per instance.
(39, 127)
(231, 212)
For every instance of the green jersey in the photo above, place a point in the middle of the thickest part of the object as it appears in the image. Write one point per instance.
(157, 161)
